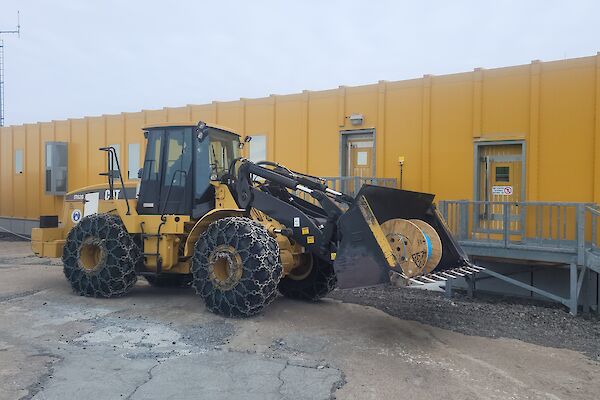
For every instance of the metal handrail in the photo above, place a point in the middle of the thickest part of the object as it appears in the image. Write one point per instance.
(556, 226)
(351, 184)
(595, 215)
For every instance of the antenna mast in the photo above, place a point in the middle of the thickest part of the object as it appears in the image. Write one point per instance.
(4, 32)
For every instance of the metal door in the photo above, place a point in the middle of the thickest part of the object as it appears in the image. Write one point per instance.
(500, 184)
(358, 158)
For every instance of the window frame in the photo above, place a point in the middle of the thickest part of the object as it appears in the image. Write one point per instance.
(19, 161)
(264, 150)
(54, 166)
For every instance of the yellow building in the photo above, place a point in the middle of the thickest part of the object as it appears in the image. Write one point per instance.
(527, 132)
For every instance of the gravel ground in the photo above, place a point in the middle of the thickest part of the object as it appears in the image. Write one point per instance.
(531, 321)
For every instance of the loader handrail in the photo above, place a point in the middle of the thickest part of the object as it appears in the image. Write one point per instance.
(112, 157)
(183, 176)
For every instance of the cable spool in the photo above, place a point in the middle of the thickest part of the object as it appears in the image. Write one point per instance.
(415, 245)
(435, 244)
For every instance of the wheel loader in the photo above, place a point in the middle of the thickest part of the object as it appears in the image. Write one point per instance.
(240, 232)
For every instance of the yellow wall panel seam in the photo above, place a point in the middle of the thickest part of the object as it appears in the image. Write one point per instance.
(11, 171)
(274, 151)
(534, 132)
(54, 198)
(380, 130)
(341, 97)
(596, 172)
(87, 146)
(40, 166)
(306, 111)
(426, 132)
(477, 101)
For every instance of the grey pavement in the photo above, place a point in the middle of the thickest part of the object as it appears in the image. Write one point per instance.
(161, 343)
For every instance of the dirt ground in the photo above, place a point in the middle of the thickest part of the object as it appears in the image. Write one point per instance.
(384, 343)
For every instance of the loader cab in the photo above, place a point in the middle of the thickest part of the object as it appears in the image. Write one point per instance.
(179, 165)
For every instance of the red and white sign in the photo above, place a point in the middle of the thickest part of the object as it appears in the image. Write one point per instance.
(502, 190)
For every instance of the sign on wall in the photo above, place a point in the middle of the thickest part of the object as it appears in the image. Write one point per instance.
(502, 190)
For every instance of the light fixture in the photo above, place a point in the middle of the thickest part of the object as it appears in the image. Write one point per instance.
(356, 119)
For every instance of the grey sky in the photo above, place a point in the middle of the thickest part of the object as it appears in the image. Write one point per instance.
(77, 58)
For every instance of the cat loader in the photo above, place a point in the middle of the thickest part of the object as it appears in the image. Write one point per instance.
(239, 232)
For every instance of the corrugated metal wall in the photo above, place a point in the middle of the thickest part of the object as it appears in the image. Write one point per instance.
(432, 122)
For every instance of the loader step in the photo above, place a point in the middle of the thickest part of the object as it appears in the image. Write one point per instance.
(150, 235)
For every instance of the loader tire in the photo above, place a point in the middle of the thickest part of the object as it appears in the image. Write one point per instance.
(316, 284)
(236, 267)
(169, 280)
(99, 257)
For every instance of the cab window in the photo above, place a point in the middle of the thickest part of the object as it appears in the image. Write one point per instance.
(223, 149)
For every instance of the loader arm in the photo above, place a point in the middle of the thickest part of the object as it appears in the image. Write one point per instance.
(361, 235)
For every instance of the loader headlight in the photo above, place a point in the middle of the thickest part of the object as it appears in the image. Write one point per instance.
(201, 130)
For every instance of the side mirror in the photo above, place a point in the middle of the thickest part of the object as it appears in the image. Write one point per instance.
(247, 139)
(140, 173)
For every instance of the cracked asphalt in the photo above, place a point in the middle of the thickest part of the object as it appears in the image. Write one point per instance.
(159, 343)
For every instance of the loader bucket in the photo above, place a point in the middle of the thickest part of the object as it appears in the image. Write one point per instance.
(365, 257)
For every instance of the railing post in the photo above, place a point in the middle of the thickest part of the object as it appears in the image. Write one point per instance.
(580, 234)
(573, 289)
(464, 219)
(505, 222)
(443, 209)
(594, 227)
(356, 183)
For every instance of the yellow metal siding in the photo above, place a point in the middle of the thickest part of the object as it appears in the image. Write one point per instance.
(566, 152)
(403, 130)
(6, 150)
(450, 155)
(19, 182)
(33, 158)
(432, 122)
(505, 103)
(323, 133)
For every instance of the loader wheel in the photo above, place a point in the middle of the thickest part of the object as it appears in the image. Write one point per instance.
(99, 257)
(169, 280)
(311, 281)
(236, 267)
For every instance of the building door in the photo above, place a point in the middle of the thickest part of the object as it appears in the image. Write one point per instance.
(500, 181)
(357, 158)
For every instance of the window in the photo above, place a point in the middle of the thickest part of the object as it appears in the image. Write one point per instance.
(258, 148)
(56, 167)
(133, 160)
(224, 147)
(179, 157)
(362, 158)
(502, 174)
(152, 161)
(18, 161)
